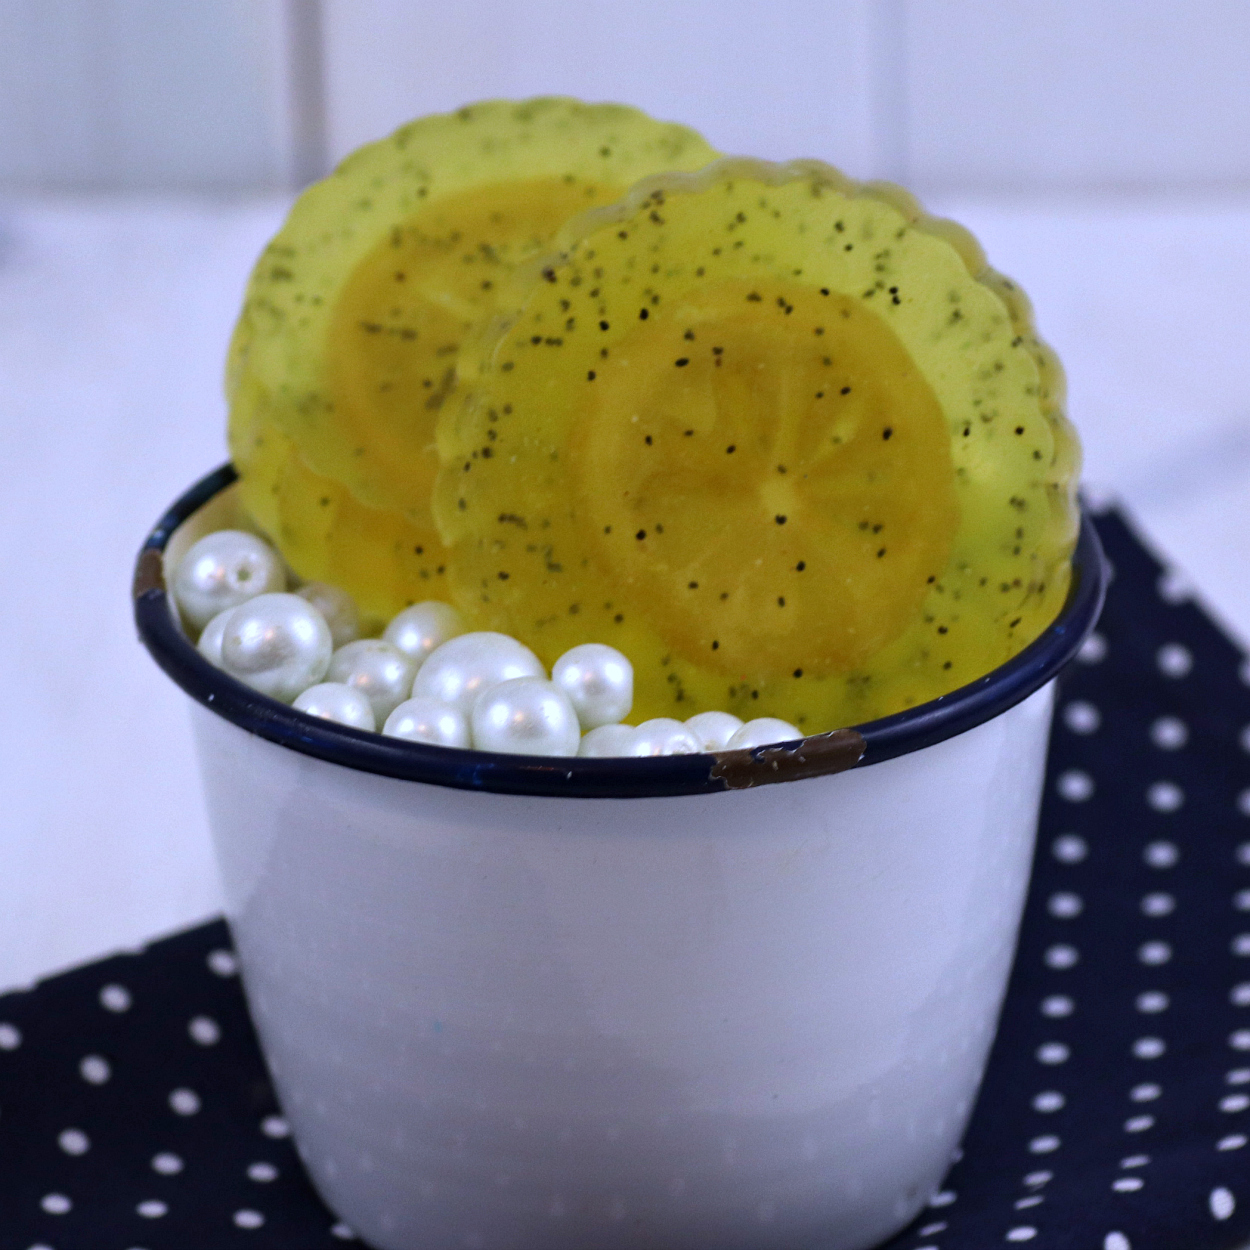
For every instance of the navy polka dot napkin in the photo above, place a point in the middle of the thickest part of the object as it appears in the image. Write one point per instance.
(136, 1114)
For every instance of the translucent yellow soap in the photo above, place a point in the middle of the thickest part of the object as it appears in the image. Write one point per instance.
(783, 439)
(346, 349)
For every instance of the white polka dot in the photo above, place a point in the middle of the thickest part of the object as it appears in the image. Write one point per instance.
(1116, 1241)
(262, 1172)
(1173, 586)
(223, 963)
(1222, 1203)
(342, 1231)
(1082, 717)
(1234, 1141)
(1158, 904)
(1061, 956)
(114, 997)
(1244, 738)
(1243, 854)
(1241, 945)
(1135, 1161)
(74, 1141)
(1056, 1006)
(1048, 1100)
(167, 1163)
(1231, 1103)
(1044, 1145)
(247, 1218)
(1149, 1047)
(1169, 733)
(56, 1204)
(1161, 854)
(1022, 1232)
(1053, 1052)
(152, 1209)
(943, 1198)
(275, 1126)
(1145, 1092)
(1239, 995)
(1152, 1001)
(1065, 905)
(1075, 786)
(204, 1030)
(1243, 803)
(1033, 1200)
(1035, 1180)
(94, 1069)
(1093, 650)
(1165, 796)
(1238, 1076)
(184, 1101)
(1138, 1123)
(10, 1036)
(1154, 953)
(1069, 848)
(929, 1230)
(1174, 660)
(1127, 1184)
(1241, 900)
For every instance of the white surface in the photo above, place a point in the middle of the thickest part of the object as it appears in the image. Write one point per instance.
(113, 324)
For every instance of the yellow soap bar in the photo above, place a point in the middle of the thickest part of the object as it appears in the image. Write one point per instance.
(780, 437)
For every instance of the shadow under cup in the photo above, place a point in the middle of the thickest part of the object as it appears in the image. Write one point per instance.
(721, 1001)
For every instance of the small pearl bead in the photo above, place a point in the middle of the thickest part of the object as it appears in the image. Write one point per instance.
(334, 701)
(762, 731)
(607, 741)
(714, 729)
(599, 682)
(382, 673)
(459, 670)
(422, 628)
(337, 606)
(209, 645)
(525, 716)
(428, 720)
(223, 570)
(278, 644)
(664, 736)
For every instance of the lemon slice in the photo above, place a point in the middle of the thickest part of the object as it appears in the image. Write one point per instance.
(778, 436)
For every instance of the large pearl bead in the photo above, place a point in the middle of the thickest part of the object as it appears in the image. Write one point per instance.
(337, 606)
(599, 682)
(762, 731)
(331, 700)
(607, 742)
(714, 729)
(421, 629)
(209, 645)
(278, 644)
(459, 670)
(223, 570)
(428, 720)
(525, 716)
(382, 673)
(664, 736)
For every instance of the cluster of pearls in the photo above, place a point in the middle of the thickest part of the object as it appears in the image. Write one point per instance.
(425, 679)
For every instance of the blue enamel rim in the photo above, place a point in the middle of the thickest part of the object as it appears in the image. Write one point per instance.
(866, 744)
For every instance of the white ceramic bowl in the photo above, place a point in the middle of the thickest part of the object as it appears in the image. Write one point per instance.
(722, 1001)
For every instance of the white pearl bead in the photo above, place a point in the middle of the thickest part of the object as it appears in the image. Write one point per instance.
(209, 645)
(762, 731)
(599, 682)
(419, 630)
(714, 729)
(382, 673)
(664, 736)
(337, 606)
(459, 670)
(607, 742)
(525, 716)
(223, 570)
(428, 720)
(334, 701)
(278, 644)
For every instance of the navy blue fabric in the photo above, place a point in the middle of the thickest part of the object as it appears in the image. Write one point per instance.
(1115, 1110)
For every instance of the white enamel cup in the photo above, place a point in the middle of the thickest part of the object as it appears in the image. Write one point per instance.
(513, 1003)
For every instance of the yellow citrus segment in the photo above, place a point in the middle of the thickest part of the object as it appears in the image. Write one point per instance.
(765, 430)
